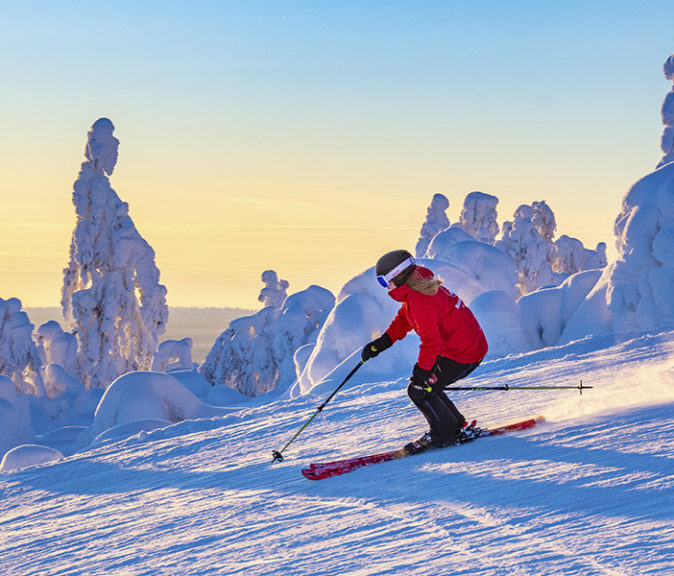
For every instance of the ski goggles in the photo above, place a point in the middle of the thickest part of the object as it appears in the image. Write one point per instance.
(385, 279)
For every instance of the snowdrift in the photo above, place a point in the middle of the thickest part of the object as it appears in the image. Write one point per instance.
(149, 395)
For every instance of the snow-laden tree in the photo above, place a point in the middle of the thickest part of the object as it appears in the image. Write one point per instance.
(274, 291)
(58, 353)
(111, 287)
(667, 141)
(570, 256)
(544, 220)
(19, 355)
(479, 217)
(542, 261)
(528, 249)
(173, 355)
(436, 221)
(640, 291)
(255, 354)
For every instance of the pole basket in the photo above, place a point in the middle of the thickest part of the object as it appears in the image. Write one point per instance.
(278, 457)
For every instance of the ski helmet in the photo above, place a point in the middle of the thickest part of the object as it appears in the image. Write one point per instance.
(396, 267)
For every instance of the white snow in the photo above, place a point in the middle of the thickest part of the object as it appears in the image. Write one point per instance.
(587, 493)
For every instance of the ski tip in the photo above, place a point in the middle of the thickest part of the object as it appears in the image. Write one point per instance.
(311, 474)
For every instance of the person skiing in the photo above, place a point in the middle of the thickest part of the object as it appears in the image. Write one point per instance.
(452, 342)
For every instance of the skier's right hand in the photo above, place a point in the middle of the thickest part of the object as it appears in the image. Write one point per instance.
(376, 346)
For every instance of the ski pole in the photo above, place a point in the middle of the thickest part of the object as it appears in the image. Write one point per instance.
(509, 387)
(278, 454)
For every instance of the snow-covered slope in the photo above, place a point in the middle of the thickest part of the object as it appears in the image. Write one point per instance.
(589, 492)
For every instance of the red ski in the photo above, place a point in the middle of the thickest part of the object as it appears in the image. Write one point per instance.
(321, 470)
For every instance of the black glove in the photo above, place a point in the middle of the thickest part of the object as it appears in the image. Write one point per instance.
(422, 377)
(421, 383)
(376, 346)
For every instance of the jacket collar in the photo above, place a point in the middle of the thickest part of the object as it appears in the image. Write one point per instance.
(400, 293)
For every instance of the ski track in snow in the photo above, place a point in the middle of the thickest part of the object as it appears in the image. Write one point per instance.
(587, 493)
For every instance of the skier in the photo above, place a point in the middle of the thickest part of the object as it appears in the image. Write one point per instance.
(452, 343)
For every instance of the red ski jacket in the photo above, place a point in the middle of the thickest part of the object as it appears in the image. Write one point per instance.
(444, 323)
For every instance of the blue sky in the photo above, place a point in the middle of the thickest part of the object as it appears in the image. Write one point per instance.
(245, 127)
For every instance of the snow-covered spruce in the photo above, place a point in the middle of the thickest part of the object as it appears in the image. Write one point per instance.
(540, 260)
(275, 291)
(111, 287)
(667, 141)
(19, 355)
(528, 248)
(479, 217)
(436, 221)
(640, 284)
(256, 353)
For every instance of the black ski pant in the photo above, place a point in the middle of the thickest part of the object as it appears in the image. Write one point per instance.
(443, 417)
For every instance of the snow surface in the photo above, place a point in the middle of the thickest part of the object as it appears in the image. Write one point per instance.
(588, 493)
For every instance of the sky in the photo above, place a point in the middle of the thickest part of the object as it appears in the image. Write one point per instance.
(309, 137)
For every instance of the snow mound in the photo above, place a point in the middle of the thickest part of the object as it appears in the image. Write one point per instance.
(63, 439)
(444, 240)
(28, 455)
(15, 425)
(149, 395)
(194, 382)
(497, 313)
(489, 266)
(546, 313)
(127, 429)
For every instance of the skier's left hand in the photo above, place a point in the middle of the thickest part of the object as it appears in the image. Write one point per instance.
(422, 377)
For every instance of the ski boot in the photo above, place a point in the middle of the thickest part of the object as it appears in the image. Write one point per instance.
(421, 445)
(469, 432)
